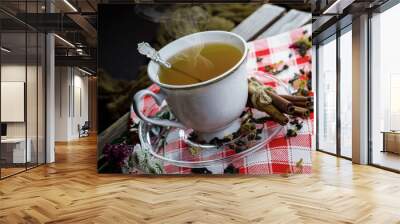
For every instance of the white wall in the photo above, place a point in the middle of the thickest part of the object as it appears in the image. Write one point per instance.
(16, 72)
(71, 94)
(11, 73)
(80, 110)
(61, 103)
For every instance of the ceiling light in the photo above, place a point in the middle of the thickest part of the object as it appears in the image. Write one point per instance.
(5, 50)
(338, 6)
(84, 71)
(65, 41)
(70, 5)
(331, 7)
(79, 51)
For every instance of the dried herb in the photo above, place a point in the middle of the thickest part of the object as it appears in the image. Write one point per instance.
(302, 45)
(302, 92)
(194, 150)
(295, 78)
(238, 141)
(299, 164)
(295, 126)
(231, 169)
(276, 68)
(142, 159)
(201, 171)
(116, 153)
(301, 80)
(291, 133)
(298, 169)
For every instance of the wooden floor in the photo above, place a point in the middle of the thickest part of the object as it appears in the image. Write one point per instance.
(10, 171)
(70, 191)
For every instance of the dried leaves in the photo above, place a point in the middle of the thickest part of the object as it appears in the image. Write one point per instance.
(276, 68)
(238, 141)
(295, 126)
(302, 45)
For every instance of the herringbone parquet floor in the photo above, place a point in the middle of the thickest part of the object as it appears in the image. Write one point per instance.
(70, 191)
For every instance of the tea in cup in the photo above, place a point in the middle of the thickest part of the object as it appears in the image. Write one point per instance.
(207, 88)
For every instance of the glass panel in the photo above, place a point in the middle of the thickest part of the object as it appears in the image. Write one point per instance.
(385, 84)
(346, 94)
(13, 87)
(31, 98)
(41, 98)
(327, 97)
(23, 89)
(32, 87)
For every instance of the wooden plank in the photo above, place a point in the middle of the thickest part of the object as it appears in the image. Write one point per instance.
(259, 21)
(292, 20)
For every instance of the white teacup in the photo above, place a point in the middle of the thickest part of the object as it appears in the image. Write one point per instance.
(211, 108)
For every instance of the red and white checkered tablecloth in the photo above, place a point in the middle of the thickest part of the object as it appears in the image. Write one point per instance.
(280, 155)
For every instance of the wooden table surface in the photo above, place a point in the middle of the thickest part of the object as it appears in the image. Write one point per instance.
(71, 191)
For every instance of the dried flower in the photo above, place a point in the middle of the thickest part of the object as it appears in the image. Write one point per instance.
(194, 150)
(116, 153)
(238, 141)
(231, 169)
(201, 171)
(276, 68)
(295, 125)
(141, 159)
(302, 45)
(291, 133)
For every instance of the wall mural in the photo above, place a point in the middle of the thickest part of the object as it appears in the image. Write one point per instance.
(204, 89)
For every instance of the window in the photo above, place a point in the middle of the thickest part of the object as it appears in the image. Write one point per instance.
(385, 89)
(333, 106)
(22, 101)
(346, 93)
(327, 96)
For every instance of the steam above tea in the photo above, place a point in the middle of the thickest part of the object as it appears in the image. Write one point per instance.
(200, 63)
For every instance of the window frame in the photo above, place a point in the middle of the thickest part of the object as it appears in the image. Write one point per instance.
(378, 10)
(341, 29)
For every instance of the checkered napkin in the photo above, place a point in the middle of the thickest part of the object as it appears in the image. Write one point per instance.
(281, 155)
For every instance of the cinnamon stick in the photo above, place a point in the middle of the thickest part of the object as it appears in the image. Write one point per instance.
(301, 112)
(296, 98)
(272, 111)
(260, 100)
(281, 103)
(305, 104)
